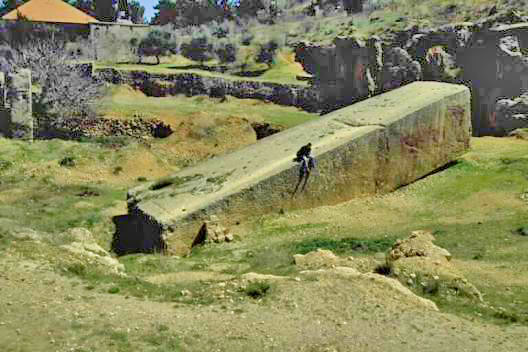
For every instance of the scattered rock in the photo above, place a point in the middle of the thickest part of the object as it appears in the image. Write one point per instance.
(264, 129)
(383, 282)
(419, 244)
(212, 231)
(417, 261)
(79, 234)
(317, 259)
(261, 277)
(91, 253)
(13, 229)
(27, 234)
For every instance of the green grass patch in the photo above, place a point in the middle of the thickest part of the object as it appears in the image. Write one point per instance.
(345, 245)
(257, 289)
(122, 102)
(284, 70)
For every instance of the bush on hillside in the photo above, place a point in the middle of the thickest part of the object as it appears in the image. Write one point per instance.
(65, 90)
(226, 52)
(198, 49)
(267, 52)
(156, 44)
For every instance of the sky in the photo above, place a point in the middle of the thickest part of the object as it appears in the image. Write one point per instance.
(149, 8)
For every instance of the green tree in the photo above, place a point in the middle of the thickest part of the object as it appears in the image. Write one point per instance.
(267, 52)
(156, 44)
(199, 49)
(8, 5)
(226, 52)
(137, 12)
(86, 6)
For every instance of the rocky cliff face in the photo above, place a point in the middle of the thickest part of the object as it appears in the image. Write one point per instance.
(489, 56)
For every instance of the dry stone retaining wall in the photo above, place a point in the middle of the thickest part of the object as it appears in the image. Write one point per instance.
(373, 146)
(191, 84)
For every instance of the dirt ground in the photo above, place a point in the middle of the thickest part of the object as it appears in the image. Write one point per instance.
(43, 311)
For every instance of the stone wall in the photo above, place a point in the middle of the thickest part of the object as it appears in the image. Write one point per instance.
(111, 41)
(191, 84)
(373, 146)
(4, 112)
(16, 114)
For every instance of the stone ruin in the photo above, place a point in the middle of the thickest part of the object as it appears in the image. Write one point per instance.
(16, 118)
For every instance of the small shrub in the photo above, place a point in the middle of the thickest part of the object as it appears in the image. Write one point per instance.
(478, 256)
(198, 49)
(78, 269)
(523, 231)
(226, 52)
(113, 289)
(385, 269)
(5, 164)
(257, 289)
(508, 316)
(117, 170)
(345, 245)
(267, 52)
(142, 179)
(67, 161)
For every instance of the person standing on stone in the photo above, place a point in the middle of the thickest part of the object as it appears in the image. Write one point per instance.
(307, 163)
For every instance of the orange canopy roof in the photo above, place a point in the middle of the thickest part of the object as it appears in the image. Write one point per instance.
(54, 11)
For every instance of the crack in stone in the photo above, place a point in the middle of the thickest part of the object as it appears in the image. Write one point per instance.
(357, 124)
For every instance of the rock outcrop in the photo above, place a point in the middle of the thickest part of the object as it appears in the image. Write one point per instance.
(511, 114)
(418, 262)
(84, 249)
(488, 56)
(317, 259)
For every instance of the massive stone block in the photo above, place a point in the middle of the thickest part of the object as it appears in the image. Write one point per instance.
(373, 146)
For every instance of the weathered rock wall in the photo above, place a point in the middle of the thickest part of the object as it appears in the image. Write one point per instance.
(191, 84)
(374, 146)
(489, 57)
